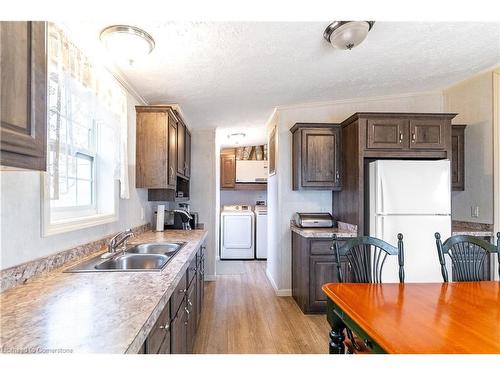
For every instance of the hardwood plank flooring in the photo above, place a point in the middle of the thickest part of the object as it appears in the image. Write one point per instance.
(243, 315)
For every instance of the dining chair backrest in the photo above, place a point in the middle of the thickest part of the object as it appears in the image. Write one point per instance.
(366, 257)
(467, 254)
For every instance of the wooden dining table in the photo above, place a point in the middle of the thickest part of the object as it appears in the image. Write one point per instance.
(412, 318)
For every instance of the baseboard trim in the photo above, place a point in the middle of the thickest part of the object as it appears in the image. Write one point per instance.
(209, 277)
(279, 292)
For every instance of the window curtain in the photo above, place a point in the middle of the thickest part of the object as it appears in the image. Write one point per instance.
(85, 94)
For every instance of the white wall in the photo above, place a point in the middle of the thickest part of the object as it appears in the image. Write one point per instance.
(283, 202)
(21, 238)
(473, 101)
(273, 265)
(203, 185)
(248, 197)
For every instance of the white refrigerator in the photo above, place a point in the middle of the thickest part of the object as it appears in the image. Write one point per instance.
(413, 198)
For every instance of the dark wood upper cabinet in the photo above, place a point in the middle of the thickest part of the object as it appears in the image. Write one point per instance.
(387, 133)
(227, 171)
(155, 147)
(368, 136)
(172, 151)
(458, 157)
(429, 133)
(181, 150)
(187, 154)
(316, 156)
(23, 109)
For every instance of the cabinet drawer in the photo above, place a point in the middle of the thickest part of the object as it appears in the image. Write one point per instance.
(178, 295)
(159, 332)
(323, 247)
(387, 133)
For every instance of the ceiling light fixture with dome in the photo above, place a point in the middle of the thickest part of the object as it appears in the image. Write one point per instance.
(347, 34)
(127, 42)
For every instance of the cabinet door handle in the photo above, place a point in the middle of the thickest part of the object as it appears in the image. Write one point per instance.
(189, 303)
(182, 291)
(171, 171)
(337, 176)
(166, 327)
(413, 137)
(400, 137)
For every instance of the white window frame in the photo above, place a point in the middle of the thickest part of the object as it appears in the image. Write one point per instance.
(50, 228)
(84, 216)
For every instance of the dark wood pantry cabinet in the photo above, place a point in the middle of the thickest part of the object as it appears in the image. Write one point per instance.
(175, 329)
(23, 109)
(316, 156)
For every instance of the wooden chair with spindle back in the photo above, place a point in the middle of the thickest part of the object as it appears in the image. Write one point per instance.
(365, 257)
(467, 254)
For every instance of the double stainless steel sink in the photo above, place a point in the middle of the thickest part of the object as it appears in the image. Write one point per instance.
(140, 257)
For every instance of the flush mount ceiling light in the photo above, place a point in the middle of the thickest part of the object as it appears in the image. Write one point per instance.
(127, 42)
(347, 34)
(236, 137)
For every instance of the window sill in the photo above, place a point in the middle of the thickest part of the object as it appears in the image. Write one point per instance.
(70, 225)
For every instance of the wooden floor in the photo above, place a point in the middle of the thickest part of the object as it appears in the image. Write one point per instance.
(242, 314)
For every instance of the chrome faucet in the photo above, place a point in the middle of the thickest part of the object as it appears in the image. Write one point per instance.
(116, 241)
(185, 220)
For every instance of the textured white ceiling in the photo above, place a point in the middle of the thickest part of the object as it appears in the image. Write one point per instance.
(234, 74)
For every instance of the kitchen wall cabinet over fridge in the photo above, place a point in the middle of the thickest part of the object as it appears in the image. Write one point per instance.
(23, 111)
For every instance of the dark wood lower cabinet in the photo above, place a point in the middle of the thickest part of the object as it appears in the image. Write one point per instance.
(313, 265)
(158, 341)
(179, 332)
(200, 279)
(175, 329)
(191, 317)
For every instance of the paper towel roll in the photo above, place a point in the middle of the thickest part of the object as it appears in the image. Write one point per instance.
(160, 218)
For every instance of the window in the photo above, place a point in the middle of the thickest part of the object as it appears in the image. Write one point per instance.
(86, 112)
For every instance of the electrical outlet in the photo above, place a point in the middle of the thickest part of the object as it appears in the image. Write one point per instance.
(474, 211)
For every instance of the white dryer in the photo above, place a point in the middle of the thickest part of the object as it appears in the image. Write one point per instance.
(237, 232)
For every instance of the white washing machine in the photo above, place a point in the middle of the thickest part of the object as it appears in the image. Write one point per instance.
(237, 232)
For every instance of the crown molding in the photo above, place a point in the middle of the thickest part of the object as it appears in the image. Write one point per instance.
(358, 100)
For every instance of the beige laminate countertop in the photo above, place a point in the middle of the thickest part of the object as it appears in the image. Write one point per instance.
(343, 230)
(94, 312)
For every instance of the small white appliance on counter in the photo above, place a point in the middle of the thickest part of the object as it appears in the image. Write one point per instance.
(237, 237)
(413, 198)
(261, 232)
(254, 171)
